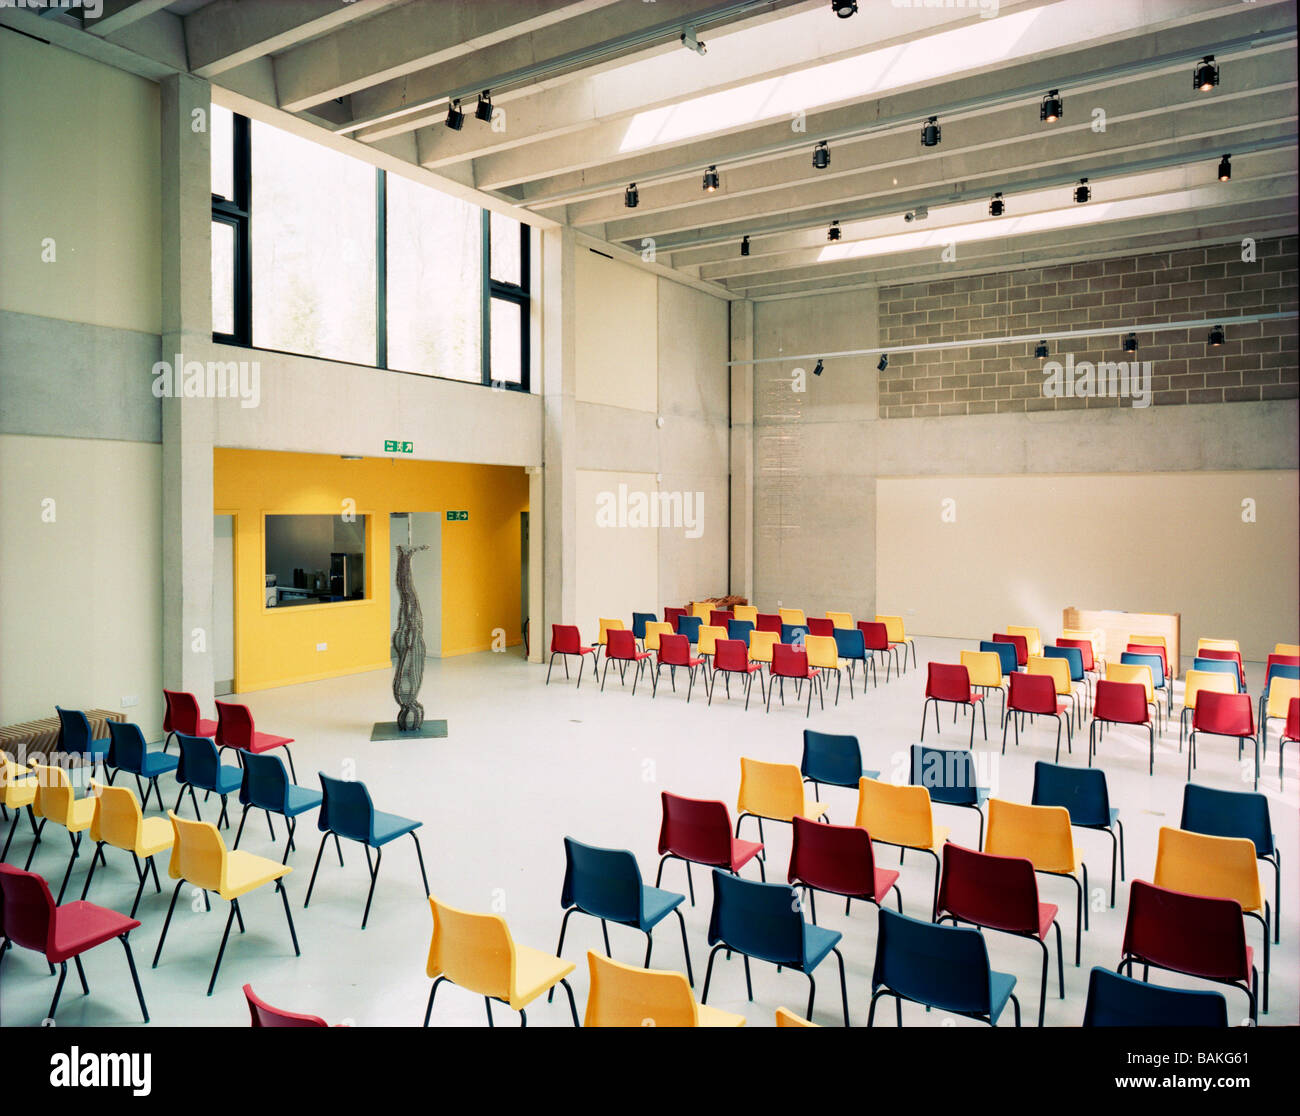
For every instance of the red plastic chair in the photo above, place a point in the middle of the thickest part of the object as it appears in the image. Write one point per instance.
(1121, 703)
(1085, 647)
(674, 652)
(182, 715)
(820, 626)
(1223, 715)
(672, 615)
(620, 647)
(768, 622)
(30, 918)
(838, 859)
(1022, 645)
(1290, 734)
(235, 730)
(789, 661)
(566, 640)
(731, 656)
(1273, 660)
(1189, 934)
(698, 831)
(264, 1015)
(1035, 694)
(720, 617)
(1228, 657)
(999, 893)
(876, 638)
(950, 682)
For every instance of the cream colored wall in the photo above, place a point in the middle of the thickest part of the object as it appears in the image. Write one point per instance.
(1022, 548)
(617, 567)
(80, 597)
(79, 164)
(616, 362)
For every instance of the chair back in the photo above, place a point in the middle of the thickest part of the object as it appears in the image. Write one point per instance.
(820, 626)
(840, 619)
(984, 668)
(672, 615)
(1008, 660)
(793, 634)
(1217, 645)
(874, 634)
(789, 661)
(1219, 666)
(198, 854)
(1084, 647)
(74, 731)
(689, 628)
(946, 967)
(1138, 673)
(745, 612)
(621, 644)
(181, 713)
(1292, 650)
(1124, 703)
(822, 651)
(895, 815)
(1152, 662)
(700, 610)
(1280, 694)
(234, 725)
(629, 996)
(695, 829)
(675, 650)
(1192, 934)
(54, 794)
(768, 622)
(266, 783)
(26, 909)
(792, 616)
(730, 654)
(608, 624)
(1226, 656)
(262, 1014)
(835, 858)
(1040, 834)
(1157, 649)
(1196, 682)
(761, 644)
(709, 636)
(639, 621)
(1081, 790)
(1073, 658)
(18, 786)
(1227, 813)
(786, 1018)
(199, 761)
(1096, 639)
(1000, 892)
(831, 758)
(770, 790)
(947, 773)
(720, 617)
(893, 628)
(605, 883)
(473, 951)
(118, 817)
(1224, 714)
(849, 643)
(739, 629)
(947, 682)
(126, 746)
(1200, 864)
(1292, 730)
(762, 920)
(1058, 670)
(565, 639)
(1019, 642)
(347, 809)
(1033, 641)
(1119, 1001)
(654, 630)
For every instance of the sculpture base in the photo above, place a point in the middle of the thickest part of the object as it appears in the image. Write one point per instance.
(431, 730)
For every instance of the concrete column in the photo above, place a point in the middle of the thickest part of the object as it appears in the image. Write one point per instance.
(559, 430)
(742, 450)
(187, 424)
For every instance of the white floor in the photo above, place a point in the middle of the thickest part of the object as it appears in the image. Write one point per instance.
(523, 766)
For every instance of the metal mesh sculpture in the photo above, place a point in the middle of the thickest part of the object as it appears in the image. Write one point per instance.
(408, 645)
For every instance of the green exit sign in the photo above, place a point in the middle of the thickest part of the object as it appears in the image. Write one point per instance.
(457, 516)
(391, 446)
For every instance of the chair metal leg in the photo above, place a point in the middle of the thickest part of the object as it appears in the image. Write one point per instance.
(284, 899)
(374, 876)
(81, 975)
(844, 989)
(167, 923)
(559, 949)
(708, 971)
(90, 875)
(686, 949)
(75, 838)
(420, 856)
(135, 976)
(749, 984)
(428, 1011)
(312, 882)
(58, 990)
(234, 906)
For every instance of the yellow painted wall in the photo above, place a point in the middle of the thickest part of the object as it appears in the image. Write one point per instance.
(480, 557)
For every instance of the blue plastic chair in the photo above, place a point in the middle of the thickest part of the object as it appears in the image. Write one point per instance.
(76, 739)
(943, 967)
(128, 752)
(1227, 666)
(266, 787)
(1158, 680)
(690, 626)
(949, 775)
(833, 759)
(1083, 792)
(1004, 651)
(1075, 658)
(1226, 813)
(348, 812)
(852, 647)
(794, 634)
(606, 884)
(1120, 1001)
(201, 767)
(764, 921)
(740, 629)
(639, 621)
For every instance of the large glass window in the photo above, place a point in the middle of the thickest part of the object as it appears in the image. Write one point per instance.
(506, 295)
(315, 559)
(223, 277)
(222, 134)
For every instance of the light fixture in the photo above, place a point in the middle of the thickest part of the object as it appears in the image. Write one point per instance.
(883, 362)
(711, 181)
(931, 133)
(483, 110)
(744, 246)
(631, 196)
(1206, 75)
(1052, 108)
(920, 213)
(350, 456)
(455, 117)
(833, 233)
(1082, 192)
(997, 206)
(1040, 350)
(1216, 336)
(821, 156)
(1225, 168)
(691, 42)
(844, 8)
(1131, 343)
(820, 367)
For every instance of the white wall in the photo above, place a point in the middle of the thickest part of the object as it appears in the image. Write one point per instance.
(616, 342)
(617, 567)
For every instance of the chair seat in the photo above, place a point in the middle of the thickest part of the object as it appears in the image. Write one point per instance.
(80, 926)
(81, 815)
(981, 795)
(636, 656)
(885, 879)
(813, 810)
(247, 872)
(229, 779)
(206, 728)
(536, 972)
(16, 795)
(157, 763)
(742, 852)
(1046, 916)
(1000, 988)
(301, 799)
(156, 835)
(716, 1017)
(1062, 706)
(265, 741)
(656, 903)
(96, 748)
(388, 827)
(817, 943)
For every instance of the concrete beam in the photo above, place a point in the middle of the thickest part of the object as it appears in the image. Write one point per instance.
(117, 14)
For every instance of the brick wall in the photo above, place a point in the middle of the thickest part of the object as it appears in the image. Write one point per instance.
(1257, 361)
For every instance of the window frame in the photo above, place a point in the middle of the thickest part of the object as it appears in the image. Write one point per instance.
(236, 213)
(518, 293)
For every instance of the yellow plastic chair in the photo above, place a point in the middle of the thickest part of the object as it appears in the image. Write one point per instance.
(985, 670)
(653, 630)
(745, 612)
(786, 1018)
(1098, 641)
(477, 953)
(897, 636)
(1042, 835)
(760, 646)
(17, 793)
(1280, 693)
(1147, 639)
(709, 636)
(839, 620)
(201, 859)
(1032, 639)
(1218, 868)
(702, 609)
(606, 624)
(901, 816)
(792, 616)
(1286, 649)
(56, 801)
(1059, 670)
(775, 792)
(120, 824)
(1136, 672)
(626, 996)
(824, 654)
(1217, 645)
(1197, 682)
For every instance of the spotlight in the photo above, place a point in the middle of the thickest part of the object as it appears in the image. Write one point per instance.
(931, 132)
(920, 213)
(691, 42)
(483, 110)
(1216, 336)
(821, 156)
(833, 233)
(1040, 350)
(883, 362)
(997, 206)
(744, 246)
(1206, 75)
(631, 196)
(1225, 168)
(1131, 343)
(455, 117)
(1082, 192)
(711, 181)
(819, 369)
(1052, 108)
(844, 8)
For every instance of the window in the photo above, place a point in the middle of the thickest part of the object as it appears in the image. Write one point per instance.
(506, 301)
(223, 278)
(315, 559)
(230, 198)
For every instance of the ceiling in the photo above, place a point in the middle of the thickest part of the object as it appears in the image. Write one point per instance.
(590, 96)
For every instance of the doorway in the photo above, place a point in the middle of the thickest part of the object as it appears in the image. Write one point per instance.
(223, 604)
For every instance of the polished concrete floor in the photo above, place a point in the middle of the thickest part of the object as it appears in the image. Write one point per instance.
(526, 764)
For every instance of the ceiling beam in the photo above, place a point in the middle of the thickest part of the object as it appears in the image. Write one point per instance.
(117, 14)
